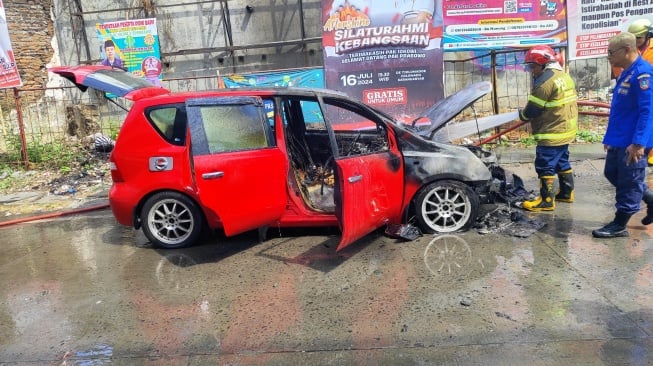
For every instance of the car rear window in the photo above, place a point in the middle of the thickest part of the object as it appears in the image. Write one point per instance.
(164, 120)
(169, 121)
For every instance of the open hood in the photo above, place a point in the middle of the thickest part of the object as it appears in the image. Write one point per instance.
(109, 80)
(434, 118)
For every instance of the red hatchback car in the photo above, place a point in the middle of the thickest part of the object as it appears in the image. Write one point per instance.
(244, 159)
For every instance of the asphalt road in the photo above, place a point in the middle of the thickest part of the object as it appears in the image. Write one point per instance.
(81, 289)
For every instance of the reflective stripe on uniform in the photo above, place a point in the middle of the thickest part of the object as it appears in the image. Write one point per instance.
(560, 102)
(537, 101)
(557, 136)
(552, 104)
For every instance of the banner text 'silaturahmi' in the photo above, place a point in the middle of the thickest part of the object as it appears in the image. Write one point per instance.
(386, 53)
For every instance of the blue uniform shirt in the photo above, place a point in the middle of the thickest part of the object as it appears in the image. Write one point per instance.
(631, 120)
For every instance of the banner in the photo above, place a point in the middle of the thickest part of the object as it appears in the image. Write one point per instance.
(386, 53)
(9, 76)
(593, 22)
(307, 78)
(496, 24)
(132, 45)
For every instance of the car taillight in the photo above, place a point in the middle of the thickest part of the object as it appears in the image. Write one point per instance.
(115, 173)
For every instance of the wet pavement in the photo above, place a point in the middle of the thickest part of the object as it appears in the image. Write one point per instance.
(82, 290)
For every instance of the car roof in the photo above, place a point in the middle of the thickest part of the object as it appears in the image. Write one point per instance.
(265, 91)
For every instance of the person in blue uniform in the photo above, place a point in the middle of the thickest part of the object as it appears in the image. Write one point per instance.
(629, 136)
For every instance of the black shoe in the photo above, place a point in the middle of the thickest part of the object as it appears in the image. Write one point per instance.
(647, 197)
(648, 219)
(611, 230)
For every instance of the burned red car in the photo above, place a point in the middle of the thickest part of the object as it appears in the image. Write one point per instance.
(244, 159)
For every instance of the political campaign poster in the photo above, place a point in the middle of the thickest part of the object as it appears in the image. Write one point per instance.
(132, 45)
(593, 22)
(386, 53)
(500, 24)
(9, 76)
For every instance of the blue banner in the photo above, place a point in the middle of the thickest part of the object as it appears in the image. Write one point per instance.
(306, 78)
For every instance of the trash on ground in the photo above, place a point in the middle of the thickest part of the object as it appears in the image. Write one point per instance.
(508, 221)
(405, 231)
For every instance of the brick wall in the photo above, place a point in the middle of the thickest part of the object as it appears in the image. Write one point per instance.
(31, 31)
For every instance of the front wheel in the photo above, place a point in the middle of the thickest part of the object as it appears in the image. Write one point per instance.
(171, 220)
(446, 206)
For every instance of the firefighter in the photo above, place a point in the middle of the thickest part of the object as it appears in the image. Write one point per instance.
(553, 114)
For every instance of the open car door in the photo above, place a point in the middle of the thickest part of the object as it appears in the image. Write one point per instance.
(110, 80)
(370, 194)
(370, 172)
(237, 168)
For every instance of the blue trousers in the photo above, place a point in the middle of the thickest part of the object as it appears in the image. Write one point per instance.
(549, 160)
(629, 181)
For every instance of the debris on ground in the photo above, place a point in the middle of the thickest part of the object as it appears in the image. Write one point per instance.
(89, 170)
(29, 191)
(405, 231)
(504, 219)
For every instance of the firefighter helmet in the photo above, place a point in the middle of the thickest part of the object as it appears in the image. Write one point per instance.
(540, 55)
(640, 27)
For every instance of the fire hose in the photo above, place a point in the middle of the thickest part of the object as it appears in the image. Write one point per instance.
(584, 103)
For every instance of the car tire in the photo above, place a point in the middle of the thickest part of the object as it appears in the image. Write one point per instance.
(171, 220)
(445, 207)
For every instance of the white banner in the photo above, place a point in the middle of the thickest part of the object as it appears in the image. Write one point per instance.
(593, 22)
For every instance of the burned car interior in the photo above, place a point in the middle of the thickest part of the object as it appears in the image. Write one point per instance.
(310, 149)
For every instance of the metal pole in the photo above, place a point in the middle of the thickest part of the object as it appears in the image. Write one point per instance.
(495, 98)
(21, 128)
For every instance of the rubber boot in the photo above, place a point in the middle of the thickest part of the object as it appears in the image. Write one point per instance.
(648, 199)
(566, 182)
(614, 229)
(546, 200)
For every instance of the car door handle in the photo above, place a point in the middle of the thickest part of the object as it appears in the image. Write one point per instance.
(355, 178)
(212, 175)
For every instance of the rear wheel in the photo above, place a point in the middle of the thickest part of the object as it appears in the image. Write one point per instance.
(171, 220)
(446, 206)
